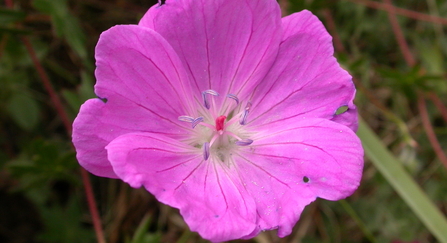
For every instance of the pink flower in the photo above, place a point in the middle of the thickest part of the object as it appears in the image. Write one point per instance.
(225, 111)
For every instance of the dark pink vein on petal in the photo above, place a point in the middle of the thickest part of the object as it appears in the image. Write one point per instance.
(288, 129)
(285, 118)
(183, 54)
(276, 156)
(288, 96)
(149, 131)
(262, 169)
(297, 31)
(112, 69)
(282, 72)
(220, 186)
(206, 176)
(299, 143)
(145, 108)
(207, 47)
(185, 93)
(165, 142)
(234, 184)
(192, 172)
(175, 166)
(164, 75)
(242, 57)
(257, 66)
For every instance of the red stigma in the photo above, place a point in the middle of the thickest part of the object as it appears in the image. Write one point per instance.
(220, 122)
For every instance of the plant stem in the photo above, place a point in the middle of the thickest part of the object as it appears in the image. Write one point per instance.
(403, 12)
(55, 100)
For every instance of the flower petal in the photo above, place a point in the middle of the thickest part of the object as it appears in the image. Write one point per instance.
(143, 81)
(286, 169)
(306, 79)
(210, 197)
(137, 63)
(227, 45)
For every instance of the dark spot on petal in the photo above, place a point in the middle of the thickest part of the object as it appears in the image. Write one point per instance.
(341, 110)
(305, 179)
(216, 216)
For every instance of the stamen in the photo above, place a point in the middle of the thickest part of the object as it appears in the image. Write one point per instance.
(243, 119)
(186, 118)
(244, 115)
(234, 97)
(206, 101)
(233, 135)
(207, 125)
(213, 139)
(244, 142)
(206, 150)
(196, 121)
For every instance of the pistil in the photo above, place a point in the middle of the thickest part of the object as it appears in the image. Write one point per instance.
(220, 123)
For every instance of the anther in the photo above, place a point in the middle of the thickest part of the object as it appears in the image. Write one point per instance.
(206, 150)
(243, 119)
(196, 121)
(186, 118)
(244, 142)
(234, 97)
(206, 101)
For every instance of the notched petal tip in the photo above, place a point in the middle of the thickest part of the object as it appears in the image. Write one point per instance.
(103, 99)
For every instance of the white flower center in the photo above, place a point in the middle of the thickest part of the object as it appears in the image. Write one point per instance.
(219, 135)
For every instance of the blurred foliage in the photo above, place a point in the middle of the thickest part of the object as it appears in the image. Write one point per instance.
(41, 192)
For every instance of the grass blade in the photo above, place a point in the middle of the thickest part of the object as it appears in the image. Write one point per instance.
(403, 183)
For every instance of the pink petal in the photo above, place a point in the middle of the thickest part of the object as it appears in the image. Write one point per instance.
(137, 63)
(226, 45)
(210, 195)
(289, 166)
(144, 83)
(306, 79)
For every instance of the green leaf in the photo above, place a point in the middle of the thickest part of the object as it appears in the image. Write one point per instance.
(17, 31)
(142, 236)
(65, 24)
(63, 224)
(403, 183)
(11, 15)
(15, 55)
(86, 89)
(43, 161)
(24, 110)
(84, 92)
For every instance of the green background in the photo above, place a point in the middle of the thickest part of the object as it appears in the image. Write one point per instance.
(401, 98)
